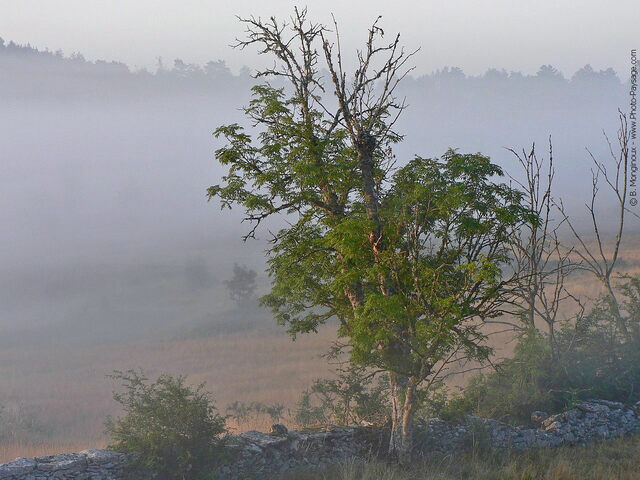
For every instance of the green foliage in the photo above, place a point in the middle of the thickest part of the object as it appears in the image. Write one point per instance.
(447, 235)
(353, 398)
(596, 360)
(356, 397)
(409, 260)
(170, 428)
(520, 386)
(630, 289)
(433, 401)
(593, 360)
(446, 227)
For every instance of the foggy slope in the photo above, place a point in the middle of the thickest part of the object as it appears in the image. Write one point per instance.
(103, 174)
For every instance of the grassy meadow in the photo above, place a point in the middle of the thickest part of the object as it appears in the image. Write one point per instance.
(56, 397)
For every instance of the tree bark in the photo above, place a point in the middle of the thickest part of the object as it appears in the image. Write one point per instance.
(402, 387)
(402, 410)
(395, 438)
(405, 454)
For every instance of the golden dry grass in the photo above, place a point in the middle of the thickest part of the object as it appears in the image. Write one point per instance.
(63, 396)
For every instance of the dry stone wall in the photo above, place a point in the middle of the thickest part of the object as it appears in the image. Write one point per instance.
(264, 455)
(86, 465)
(587, 422)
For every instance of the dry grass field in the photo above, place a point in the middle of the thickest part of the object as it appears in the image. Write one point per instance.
(56, 398)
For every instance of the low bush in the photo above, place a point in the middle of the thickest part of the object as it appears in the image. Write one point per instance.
(354, 397)
(171, 430)
(589, 359)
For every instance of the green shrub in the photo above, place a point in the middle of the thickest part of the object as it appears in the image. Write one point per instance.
(170, 429)
(433, 401)
(596, 362)
(519, 386)
(353, 398)
(592, 360)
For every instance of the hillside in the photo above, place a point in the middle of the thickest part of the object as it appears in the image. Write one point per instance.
(114, 259)
(56, 396)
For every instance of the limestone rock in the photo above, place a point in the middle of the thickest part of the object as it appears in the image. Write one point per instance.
(279, 429)
(261, 455)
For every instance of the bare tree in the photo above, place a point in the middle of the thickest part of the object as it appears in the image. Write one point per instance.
(542, 262)
(409, 270)
(368, 107)
(368, 110)
(596, 258)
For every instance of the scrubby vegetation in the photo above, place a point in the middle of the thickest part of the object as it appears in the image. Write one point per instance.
(590, 359)
(417, 264)
(352, 398)
(172, 430)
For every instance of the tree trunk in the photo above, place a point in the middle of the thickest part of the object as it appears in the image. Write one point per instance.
(402, 409)
(395, 439)
(402, 387)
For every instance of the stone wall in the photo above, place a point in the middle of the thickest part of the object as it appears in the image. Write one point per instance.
(86, 465)
(587, 422)
(260, 455)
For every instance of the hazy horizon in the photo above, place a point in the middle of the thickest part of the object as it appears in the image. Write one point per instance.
(105, 174)
(496, 34)
(112, 257)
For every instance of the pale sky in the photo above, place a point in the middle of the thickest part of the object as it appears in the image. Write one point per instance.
(472, 34)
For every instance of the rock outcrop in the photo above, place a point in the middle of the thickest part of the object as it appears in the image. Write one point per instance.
(261, 455)
(587, 422)
(86, 465)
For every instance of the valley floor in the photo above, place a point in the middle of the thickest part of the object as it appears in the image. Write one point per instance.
(55, 397)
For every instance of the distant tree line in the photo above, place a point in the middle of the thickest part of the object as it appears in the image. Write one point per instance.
(25, 62)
